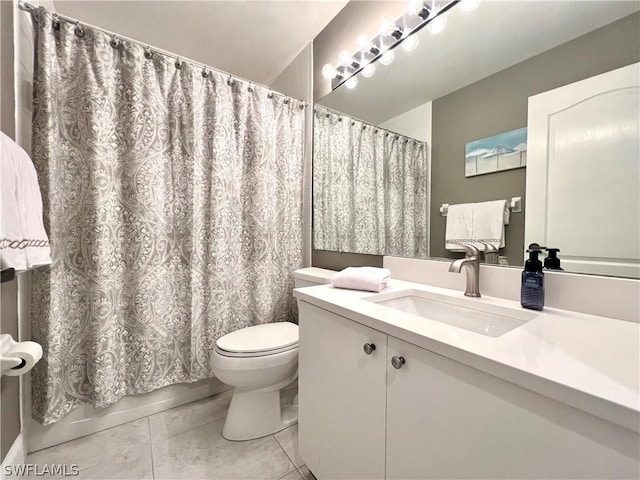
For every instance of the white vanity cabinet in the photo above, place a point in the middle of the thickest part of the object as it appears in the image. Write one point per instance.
(435, 417)
(341, 422)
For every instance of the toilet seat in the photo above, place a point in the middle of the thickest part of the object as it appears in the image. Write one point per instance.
(259, 340)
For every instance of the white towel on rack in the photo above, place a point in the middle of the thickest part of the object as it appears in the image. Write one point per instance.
(23, 241)
(477, 223)
(489, 219)
(459, 227)
(372, 279)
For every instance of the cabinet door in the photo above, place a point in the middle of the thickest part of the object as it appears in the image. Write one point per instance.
(447, 420)
(341, 396)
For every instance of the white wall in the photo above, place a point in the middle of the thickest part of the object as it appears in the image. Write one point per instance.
(415, 123)
(297, 81)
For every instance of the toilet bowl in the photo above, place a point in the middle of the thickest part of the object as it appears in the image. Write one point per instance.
(261, 362)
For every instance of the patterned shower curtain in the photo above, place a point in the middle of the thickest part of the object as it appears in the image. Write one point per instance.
(369, 188)
(173, 202)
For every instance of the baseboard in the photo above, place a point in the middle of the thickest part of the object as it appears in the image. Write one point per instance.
(86, 420)
(15, 456)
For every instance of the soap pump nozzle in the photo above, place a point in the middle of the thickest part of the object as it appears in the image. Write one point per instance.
(552, 262)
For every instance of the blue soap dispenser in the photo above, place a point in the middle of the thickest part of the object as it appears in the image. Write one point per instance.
(532, 288)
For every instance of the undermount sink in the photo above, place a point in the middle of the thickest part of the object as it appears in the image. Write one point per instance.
(472, 315)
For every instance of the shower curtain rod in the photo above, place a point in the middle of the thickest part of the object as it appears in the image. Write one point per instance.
(33, 10)
(370, 125)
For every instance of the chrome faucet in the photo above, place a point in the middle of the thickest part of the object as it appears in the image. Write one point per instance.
(490, 253)
(472, 263)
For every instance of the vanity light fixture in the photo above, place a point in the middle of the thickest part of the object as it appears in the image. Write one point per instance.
(419, 14)
(418, 7)
(437, 25)
(390, 28)
(368, 71)
(410, 43)
(352, 82)
(387, 57)
(469, 5)
(365, 45)
(329, 72)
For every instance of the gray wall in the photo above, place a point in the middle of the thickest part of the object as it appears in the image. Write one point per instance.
(498, 104)
(9, 386)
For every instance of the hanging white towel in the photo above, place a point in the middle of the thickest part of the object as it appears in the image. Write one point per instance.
(23, 241)
(476, 224)
(371, 279)
(459, 227)
(489, 219)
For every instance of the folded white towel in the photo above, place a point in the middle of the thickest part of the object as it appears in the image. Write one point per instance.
(476, 224)
(371, 279)
(23, 241)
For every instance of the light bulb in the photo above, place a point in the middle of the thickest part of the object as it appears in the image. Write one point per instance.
(369, 70)
(418, 7)
(364, 44)
(389, 27)
(329, 71)
(469, 5)
(437, 24)
(387, 57)
(344, 57)
(410, 43)
(352, 82)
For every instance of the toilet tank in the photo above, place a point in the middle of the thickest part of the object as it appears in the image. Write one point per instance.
(312, 276)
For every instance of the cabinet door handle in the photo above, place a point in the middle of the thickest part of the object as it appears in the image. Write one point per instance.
(369, 348)
(397, 362)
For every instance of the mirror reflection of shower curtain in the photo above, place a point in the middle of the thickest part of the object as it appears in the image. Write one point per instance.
(174, 207)
(369, 188)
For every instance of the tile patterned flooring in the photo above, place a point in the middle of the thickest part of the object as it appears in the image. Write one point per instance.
(182, 443)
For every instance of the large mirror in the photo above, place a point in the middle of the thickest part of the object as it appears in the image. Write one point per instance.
(470, 82)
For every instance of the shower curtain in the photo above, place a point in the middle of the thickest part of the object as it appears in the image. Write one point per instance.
(173, 201)
(369, 188)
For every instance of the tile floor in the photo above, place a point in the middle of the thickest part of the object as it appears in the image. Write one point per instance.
(182, 443)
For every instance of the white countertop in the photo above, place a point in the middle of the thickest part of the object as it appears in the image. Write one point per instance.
(591, 363)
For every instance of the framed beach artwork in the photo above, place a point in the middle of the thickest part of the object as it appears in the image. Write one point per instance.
(504, 151)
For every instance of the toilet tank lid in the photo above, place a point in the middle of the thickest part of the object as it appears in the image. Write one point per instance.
(260, 338)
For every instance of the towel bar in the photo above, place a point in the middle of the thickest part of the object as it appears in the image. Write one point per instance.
(515, 205)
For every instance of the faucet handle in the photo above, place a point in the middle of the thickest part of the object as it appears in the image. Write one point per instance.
(489, 247)
(470, 250)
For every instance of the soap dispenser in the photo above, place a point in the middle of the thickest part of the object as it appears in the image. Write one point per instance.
(552, 262)
(532, 288)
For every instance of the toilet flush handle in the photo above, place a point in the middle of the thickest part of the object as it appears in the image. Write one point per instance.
(369, 348)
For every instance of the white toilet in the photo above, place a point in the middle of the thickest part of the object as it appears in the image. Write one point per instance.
(260, 362)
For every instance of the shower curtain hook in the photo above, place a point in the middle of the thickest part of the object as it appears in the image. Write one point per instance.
(178, 63)
(230, 81)
(147, 52)
(79, 30)
(270, 94)
(115, 41)
(205, 73)
(55, 22)
(286, 101)
(250, 88)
